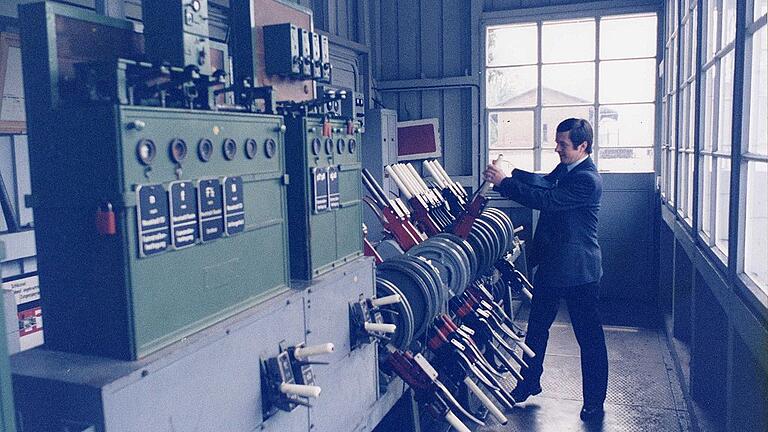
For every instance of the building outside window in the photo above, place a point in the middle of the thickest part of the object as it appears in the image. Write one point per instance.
(718, 34)
(754, 159)
(605, 73)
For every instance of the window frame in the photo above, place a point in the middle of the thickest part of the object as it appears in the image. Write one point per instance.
(751, 25)
(540, 15)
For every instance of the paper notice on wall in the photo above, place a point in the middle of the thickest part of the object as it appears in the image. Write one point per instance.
(26, 289)
(30, 328)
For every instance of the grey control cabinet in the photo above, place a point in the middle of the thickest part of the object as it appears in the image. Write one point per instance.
(379, 149)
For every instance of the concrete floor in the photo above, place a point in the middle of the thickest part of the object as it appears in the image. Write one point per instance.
(644, 392)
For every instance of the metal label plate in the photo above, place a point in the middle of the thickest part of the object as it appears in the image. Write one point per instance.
(334, 198)
(320, 189)
(152, 217)
(183, 205)
(234, 208)
(210, 201)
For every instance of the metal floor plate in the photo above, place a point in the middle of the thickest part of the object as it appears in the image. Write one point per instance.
(644, 392)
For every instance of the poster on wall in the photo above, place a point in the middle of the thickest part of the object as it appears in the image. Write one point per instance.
(12, 115)
(26, 290)
(30, 328)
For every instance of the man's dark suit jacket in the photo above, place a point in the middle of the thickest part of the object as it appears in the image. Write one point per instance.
(565, 244)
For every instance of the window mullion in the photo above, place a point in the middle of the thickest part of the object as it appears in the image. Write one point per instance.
(537, 144)
(596, 104)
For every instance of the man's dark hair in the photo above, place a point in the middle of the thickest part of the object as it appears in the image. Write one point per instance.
(579, 131)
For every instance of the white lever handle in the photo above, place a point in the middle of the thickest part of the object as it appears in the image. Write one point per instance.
(399, 182)
(388, 300)
(406, 179)
(456, 423)
(311, 350)
(417, 177)
(433, 173)
(383, 328)
(309, 391)
(526, 349)
(485, 400)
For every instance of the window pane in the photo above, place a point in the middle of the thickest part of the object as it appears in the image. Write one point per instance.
(758, 100)
(684, 118)
(522, 159)
(755, 232)
(726, 104)
(551, 117)
(568, 84)
(689, 189)
(713, 21)
(580, 37)
(729, 22)
(706, 195)
(694, 45)
(625, 159)
(683, 184)
(709, 109)
(691, 114)
(685, 37)
(721, 205)
(628, 36)
(626, 125)
(511, 45)
(664, 173)
(511, 129)
(627, 81)
(511, 87)
(671, 175)
(549, 159)
(761, 7)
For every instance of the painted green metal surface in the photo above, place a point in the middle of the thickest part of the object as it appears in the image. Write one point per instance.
(99, 295)
(323, 240)
(7, 415)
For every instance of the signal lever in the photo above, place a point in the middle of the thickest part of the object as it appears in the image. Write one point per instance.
(451, 192)
(463, 334)
(454, 360)
(393, 218)
(287, 379)
(366, 322)
(474, 209)
(486, 333)
(421, 209)
(423, 380)
(514, 279)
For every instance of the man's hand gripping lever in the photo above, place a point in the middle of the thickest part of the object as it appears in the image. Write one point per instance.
(474, 209)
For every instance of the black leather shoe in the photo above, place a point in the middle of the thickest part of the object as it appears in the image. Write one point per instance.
(523, 390)
(592, 413)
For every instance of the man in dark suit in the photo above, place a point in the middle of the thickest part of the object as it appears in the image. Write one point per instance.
(567, 254)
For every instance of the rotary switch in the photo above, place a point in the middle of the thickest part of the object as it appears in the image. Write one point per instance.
(205, 149)
(146, 151)
(178, 150)
(230, 148)
(316, 145)
(251, 148)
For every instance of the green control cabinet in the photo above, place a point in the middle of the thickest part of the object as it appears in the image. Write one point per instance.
(324, 195)
(154, 223)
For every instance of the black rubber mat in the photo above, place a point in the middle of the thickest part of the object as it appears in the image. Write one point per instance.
(644, 393)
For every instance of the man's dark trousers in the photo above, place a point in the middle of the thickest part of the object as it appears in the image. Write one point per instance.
(582, 304)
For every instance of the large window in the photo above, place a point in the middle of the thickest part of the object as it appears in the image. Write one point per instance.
(601, 69)
(754, 159)
(719, 19)
(686, 96)
(669, 105)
